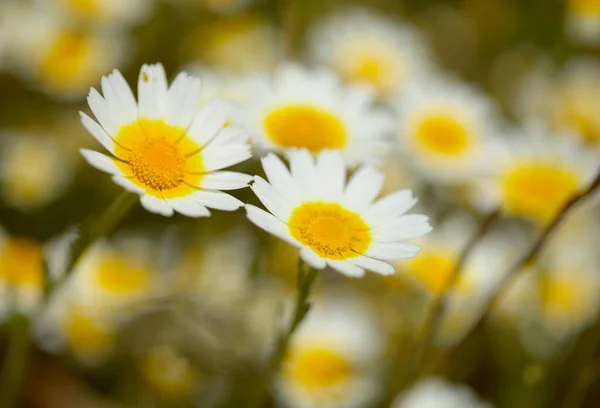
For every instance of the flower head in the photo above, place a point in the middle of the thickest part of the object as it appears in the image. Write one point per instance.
(439, 393)
(299, 108)
(332, 223)
(165, 147)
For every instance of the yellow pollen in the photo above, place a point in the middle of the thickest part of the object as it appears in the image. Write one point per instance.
(318, 368)
(443, 135)
(538, 191)
(305, 126)
(330, 230)
(119, 275)
(160, 158)
(85, 334)
(433, 269)
(65, 64)
(21, 263)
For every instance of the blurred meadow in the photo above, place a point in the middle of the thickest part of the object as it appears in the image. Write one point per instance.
(488, 111)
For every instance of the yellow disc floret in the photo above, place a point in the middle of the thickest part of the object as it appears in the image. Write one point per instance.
(442, 135)
(538, 191)
(160, 158)
(330, 230)
(305, 126)
(318, 368)
(21, 263)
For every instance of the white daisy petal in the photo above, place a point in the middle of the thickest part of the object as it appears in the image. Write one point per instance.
(124, 95)
(279, 177)
(101, 111)
(389, 207)
(128, 185)
(101, 162)
(269, 223)
(208, 122)
(152, 92)
(404, 228)
(270, 199)
(363, 187)
(156, 205)
(332, 174)
(303, 172)
(221, 157)
(380, 267)
(225, 180)
(189, 207)
(217, 200)
(392, 250)
(311, 258)
(184, 98)
(98, 132)
(347, 268)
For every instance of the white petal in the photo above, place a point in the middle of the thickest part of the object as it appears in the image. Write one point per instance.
(102, 112)
(347, 268)
(225, 180)
(390, 207)
(363, 188)
(280, 178)
(189, 207)
(331, 174)
(117, 111)
(156, 205)
(98, 132)
(225, 156)
(392, 250)
(303, 172)
(311, 258)
(405, 227)
(231, 135)
(208, 122)
(278, 206)
(152, 92)
(374, 265)
(101, 162)
(217, 200)
(270, 223)
(184, 100)
(124, 95)
(128, 185)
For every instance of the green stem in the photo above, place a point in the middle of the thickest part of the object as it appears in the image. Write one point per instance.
(15, 365)
(95, 228)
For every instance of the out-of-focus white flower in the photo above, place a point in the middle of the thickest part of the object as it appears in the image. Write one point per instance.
(166, 147)
(105, 12)
(55, 56)
(239, 43)
(330, 358)
(583, 21)
(300, 108)
(445, 128)
(365, 47)
(537, 173)
(439, 393)
(566, 100)
(34, 170)
(332, 222)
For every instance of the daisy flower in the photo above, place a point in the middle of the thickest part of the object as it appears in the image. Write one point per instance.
(365, 47)
(327, 363)
(300, 108)
(165, 147)
(332, 223)
(444, 127)
(55, 56)
(439, 393)
(101, 11)
(537, 173)
(583, 21)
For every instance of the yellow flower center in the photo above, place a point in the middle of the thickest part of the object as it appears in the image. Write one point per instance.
(562, 297)
(21, 263)
(119, 275)
(84, 8)
(538, 191)
(433, 270)
(65, 64)
(168, 372)
(330, 230)
(305, 126)
(86, 334)
(586, 6)
(318, 368)
(443, 135)
(161, 158)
